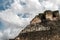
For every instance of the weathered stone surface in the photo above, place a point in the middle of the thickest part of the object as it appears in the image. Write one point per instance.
(45, 26)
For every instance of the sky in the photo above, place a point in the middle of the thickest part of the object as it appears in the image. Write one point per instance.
(15, 15)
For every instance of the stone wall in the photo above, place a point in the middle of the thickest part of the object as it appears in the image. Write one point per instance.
(45, 26)
(47, 15)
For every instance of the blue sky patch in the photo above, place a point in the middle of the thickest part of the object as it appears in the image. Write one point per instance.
(1, 25)
(23, 3)
(23, 15)
(5, 4)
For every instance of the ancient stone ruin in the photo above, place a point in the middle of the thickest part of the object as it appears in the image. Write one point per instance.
(44, 26)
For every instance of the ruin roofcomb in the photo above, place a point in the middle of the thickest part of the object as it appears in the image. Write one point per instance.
(44, 26)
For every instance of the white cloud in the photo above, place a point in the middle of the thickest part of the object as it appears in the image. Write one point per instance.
(49, 5)
(1, 34)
